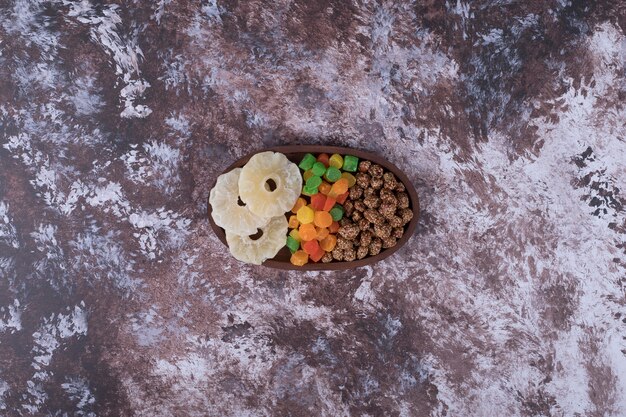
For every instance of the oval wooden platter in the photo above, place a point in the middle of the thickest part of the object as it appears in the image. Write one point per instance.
(295, 153)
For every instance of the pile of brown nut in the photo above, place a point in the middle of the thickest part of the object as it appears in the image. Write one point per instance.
(376, 212)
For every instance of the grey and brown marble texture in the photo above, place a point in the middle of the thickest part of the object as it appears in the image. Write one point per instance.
(117, 300)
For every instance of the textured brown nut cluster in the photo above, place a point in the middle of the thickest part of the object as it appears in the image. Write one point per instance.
(376, 211)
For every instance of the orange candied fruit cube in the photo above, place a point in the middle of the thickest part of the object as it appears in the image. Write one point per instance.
(330, 203)
(299, 258)
(322, 232)
(328, 244)
(318, 255)
(323, 158)
(342, 198)
(338, 188)
(307, 232)
(293, 222)
(334, 227)
(317, 201)
(311, 246)
(322, 219)
(324, 188)
(300, 202)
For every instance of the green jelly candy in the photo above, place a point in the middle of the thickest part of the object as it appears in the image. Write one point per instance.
(307, 162)
(309, 191)
(318, 169)
(292, 244)
(350, 163)
(333, 174)
(336, 213)
(313, 182)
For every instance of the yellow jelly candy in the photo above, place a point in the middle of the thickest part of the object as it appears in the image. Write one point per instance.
(336, 161)
(351, 179)
(295, 234)
(305, 215)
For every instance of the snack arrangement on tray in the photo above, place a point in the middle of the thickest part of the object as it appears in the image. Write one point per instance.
(328, 208)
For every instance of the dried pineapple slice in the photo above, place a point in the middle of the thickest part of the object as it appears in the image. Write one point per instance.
(267, 246)
(255, 190)
(227, 213)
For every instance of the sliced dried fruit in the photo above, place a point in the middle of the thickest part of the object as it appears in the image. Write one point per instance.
(267, 246)
(257, 191)
(227, 212)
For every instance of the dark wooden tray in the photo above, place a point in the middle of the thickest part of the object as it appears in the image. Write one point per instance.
(295, 153)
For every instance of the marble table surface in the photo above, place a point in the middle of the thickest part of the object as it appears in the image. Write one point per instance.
(116, 299)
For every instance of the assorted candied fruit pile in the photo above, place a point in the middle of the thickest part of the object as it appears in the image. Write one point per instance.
(315, 218)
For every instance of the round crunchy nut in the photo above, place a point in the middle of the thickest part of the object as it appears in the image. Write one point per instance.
(376, 183)
(395, 221)
(388, 210)
(327, 257)
(376, 171)
(372, 202)
(389, 242)
(403, 200)
(364, 166)
(348, 206)
(387, 196)
(365, 238)
(349, 255)
(360, 205)
(383, 231)
(369, 192)
(364, 224)
(349, 232)
(406, 215)
(356, 192)
(337, 254)
(362, 179)
(375, 246)
(397, 232)
(361, 252)
(356, 216)
(374, 216)
(400, 187)
(343, 243)
(390, 180)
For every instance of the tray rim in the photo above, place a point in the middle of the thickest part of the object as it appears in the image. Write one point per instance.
(331, 266)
